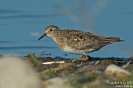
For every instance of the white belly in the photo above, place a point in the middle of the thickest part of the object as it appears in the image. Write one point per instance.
(74, 51)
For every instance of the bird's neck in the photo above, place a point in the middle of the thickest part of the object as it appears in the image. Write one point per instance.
(59, 39)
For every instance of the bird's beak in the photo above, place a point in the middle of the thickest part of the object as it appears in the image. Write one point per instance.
(42, 36)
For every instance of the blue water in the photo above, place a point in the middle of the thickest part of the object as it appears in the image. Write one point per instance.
(45, 47)
(22, 23)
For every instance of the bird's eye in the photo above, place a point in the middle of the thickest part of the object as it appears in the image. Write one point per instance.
(50, 29)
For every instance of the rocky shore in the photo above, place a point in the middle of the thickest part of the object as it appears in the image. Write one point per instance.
(95, 72)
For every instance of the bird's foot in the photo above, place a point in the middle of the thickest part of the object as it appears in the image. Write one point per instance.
(82, 60)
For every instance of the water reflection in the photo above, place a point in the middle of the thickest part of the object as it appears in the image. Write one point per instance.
(27, 47)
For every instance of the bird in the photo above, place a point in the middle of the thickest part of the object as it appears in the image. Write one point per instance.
(77, 41)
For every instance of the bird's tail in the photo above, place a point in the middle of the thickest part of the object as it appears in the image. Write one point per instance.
(113, 39)
(109, 40)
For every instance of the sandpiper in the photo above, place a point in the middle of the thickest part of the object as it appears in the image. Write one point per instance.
(76, 41)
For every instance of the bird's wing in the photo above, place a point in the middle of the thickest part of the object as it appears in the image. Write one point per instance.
(82, 40)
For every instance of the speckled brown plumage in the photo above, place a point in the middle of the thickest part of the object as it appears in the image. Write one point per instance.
(76, 41)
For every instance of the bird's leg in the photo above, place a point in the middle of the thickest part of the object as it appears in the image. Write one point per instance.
(84, 57)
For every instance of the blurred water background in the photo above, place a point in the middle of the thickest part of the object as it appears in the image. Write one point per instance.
(22, 22)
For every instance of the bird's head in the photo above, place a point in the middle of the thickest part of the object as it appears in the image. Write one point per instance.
(50, 31)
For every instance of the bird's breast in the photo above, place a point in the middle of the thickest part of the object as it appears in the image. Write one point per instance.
(60, 41)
